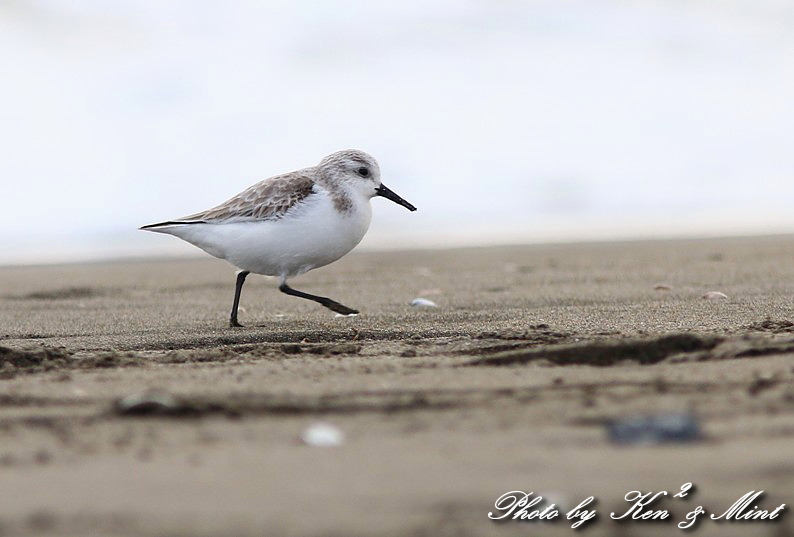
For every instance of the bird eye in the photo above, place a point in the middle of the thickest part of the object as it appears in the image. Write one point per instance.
(363, 172)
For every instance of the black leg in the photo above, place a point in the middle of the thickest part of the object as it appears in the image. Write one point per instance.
(237, 289)
(327, 302)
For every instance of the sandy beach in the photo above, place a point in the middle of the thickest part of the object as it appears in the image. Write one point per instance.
(510, 383)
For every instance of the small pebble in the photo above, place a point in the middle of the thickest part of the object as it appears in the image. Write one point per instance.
(662, 287)
(655, 429)
(715, 295)
(423, 303)
(147, 403)
(322, 435)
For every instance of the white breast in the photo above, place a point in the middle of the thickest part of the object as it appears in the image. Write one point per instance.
(313, 235)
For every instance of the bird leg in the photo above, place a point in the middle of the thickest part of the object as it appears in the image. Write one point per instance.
(327, 302)
(237, 289)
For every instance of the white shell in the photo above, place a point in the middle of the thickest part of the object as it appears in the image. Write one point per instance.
(322, 435)
(715, 295)
(423, 303)
(147, 402)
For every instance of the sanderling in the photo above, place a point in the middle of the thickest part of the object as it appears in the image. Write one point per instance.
(289, 224)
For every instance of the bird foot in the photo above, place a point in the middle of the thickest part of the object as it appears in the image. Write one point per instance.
(341, 309)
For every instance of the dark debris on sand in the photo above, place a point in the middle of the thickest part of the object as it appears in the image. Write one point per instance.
(773, 326)
(66, 293)
(606, 353)
(675, 348)
(28, 361)
(42, 359)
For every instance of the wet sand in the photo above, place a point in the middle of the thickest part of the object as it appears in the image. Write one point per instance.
(508, 384)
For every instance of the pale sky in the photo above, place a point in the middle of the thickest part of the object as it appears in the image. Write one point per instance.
(502, 121)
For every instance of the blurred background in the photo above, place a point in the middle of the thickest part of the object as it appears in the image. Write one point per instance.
(503, 121)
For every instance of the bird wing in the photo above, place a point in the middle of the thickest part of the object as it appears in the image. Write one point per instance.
(270, 199)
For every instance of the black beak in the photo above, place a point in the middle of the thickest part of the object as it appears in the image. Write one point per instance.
(388, 194)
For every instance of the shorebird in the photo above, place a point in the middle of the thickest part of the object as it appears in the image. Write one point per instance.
(290, 224)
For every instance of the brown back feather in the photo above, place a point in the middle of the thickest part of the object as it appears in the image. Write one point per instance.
(267, 200)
